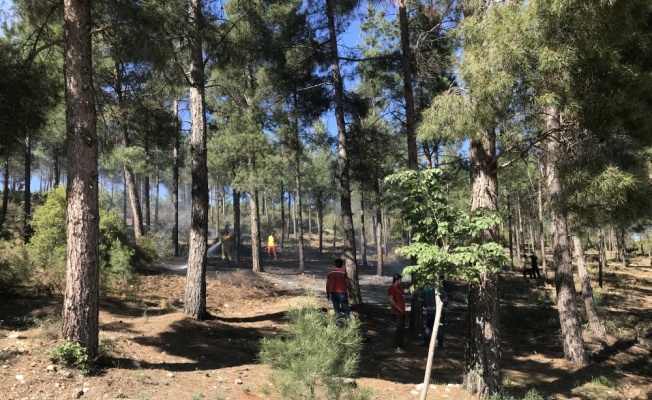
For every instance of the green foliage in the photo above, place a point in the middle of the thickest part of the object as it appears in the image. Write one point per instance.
(603, 381)
(315, 352)
(70, 354)
(118, 253)
(442, 240)
(146, 250)
(15, 270)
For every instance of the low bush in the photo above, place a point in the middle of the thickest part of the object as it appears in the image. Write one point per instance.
(70, 354)
(314, 357)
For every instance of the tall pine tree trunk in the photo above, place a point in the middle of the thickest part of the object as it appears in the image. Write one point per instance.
(343, 163)
(5, 193)
(587, 292)
(80, 318)
(175, 181)
(602, 255)
(236, 224)
(363, 238)
(571, 329)
(196, 274)
(542, 238)
(130, 180)
(320, 220)
(255, 224)
(408, 93)
(27, 228)
(297, 178)
(482, 355)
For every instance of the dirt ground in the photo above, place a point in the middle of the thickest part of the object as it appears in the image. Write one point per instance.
(158, 353)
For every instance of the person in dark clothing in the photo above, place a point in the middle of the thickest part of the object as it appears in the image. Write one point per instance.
(429, 303)
(534, 266)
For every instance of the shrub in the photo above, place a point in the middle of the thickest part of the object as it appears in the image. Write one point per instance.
(47, 249)
(15, 270)
(70, 354)
(315, 353)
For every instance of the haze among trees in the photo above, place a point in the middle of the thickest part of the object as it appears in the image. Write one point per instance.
(188, 118)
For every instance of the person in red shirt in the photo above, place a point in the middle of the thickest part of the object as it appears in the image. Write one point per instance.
(337, 290)
(397, 308)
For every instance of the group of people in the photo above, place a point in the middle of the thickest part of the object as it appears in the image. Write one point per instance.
(225, 239)
(337, 289)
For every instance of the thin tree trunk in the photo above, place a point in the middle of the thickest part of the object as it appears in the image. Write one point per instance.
(431, 348)
(587, 292)
(175, 180)
(237, 231)
(282, 216)
(158, 192)
(27, 228)
(297, 176)
(80, 317)
(343, 164)
(571, 328)
(602, 255)
(5, 193)
(519, 230)
(320, 221)
(482, 355)
(363, 238)
(511, 227)
(130, 180)
(196, 274)
(542, 239)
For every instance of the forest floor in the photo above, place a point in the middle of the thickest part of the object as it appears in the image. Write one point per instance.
(159, 353)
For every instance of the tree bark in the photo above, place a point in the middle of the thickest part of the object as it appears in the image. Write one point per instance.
(255, 228)
(196, 274)
(363, 238)
(175, 180)
(343, 164)
(27, 228)
(320, 221)
(5, 193)
(571, 329)
(587, 292)
(297, 178)
(542, 239)
(406, 62)
(80, 318)
(379, 231)
(130, 180)
(602, 255)
(482, 355)
(236, 224)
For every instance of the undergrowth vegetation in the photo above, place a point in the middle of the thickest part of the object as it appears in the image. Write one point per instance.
(314, 357)
(41, 264)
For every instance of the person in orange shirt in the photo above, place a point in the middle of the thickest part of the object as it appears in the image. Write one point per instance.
(397, 308)
(271, 246)
(337, 290)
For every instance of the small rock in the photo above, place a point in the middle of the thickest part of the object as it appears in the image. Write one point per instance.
(15, 335)
(85, 389)
(67, 374)
(170, 375)
(5, 366)
(51, 368)
(135, 363)
(78, 393)
(238, 382)
(20, 378)
(414, 392)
